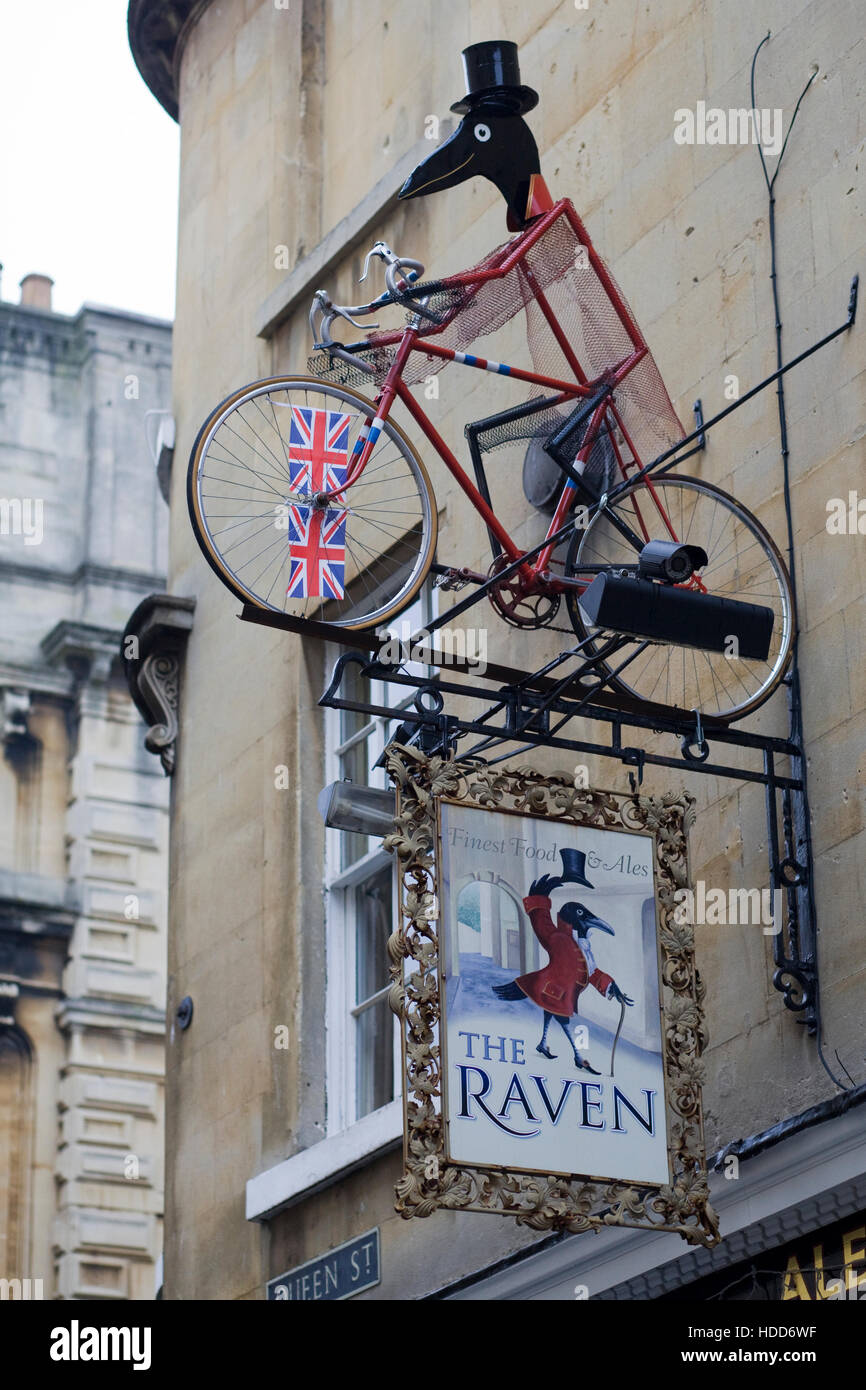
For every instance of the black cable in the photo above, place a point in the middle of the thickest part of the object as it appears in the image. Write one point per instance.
(795, 703)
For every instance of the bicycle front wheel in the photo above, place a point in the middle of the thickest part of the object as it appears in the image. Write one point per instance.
(258, 471)
(743, 563)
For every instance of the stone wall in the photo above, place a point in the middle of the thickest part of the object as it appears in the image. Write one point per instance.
(290, 117)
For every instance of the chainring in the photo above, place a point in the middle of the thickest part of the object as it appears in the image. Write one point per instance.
(515, 605)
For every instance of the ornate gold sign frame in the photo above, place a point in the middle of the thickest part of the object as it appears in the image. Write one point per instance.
(430, 1181)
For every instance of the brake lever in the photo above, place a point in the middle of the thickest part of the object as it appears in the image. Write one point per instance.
(328, 311)
(379, 249)
(320, 305)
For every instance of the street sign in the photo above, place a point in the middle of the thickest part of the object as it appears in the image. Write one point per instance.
(341, 1273)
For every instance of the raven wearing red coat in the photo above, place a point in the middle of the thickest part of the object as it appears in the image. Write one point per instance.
(557, 987)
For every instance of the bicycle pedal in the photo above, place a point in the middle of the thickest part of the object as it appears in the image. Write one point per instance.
(450, 579)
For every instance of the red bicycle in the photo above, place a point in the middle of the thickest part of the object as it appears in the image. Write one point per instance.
(308, 499)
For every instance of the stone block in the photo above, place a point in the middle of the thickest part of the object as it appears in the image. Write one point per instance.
(837, 784)
(80, 1228)
(100, 1092)
(92, 1277)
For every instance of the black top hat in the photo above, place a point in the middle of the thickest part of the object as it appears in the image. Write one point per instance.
(573, 865)
(493, 80)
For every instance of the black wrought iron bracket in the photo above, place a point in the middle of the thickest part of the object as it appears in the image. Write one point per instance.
(534, 710)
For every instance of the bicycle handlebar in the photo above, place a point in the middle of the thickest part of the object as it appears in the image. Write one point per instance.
(400, 273)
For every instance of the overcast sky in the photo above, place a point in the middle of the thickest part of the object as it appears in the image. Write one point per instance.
(88, 160)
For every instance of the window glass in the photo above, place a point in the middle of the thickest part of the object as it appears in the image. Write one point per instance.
(363, 1056)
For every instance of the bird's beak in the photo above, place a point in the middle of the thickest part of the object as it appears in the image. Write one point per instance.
(599, 925)
(449, 164)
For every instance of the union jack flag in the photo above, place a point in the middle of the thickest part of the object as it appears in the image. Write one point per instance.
(318, 448)
(317, 550)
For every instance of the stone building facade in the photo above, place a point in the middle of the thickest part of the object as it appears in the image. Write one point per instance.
(298, 125)
(84, 818)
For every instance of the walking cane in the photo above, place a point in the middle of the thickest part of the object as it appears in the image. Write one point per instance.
(616, 1039)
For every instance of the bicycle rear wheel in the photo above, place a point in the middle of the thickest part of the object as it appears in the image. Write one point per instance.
(257, 472)
(743, 563)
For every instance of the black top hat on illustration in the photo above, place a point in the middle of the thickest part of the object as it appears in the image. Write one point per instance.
(493, 80)
(573, 866)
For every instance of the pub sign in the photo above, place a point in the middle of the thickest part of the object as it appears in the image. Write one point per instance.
(551, 1009)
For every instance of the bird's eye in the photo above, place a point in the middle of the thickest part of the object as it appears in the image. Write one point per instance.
(482, 133)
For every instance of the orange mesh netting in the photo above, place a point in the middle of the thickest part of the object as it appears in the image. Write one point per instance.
(558, 265)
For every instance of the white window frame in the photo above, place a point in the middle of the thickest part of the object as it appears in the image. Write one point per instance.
(340, 1065)
(340, 938)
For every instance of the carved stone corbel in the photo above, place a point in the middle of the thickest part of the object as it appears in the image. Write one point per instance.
(16, 715)
(86, 652)
(152, 647)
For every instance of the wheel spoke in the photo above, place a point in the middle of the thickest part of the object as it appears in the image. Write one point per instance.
(702, 515)
(241, 470)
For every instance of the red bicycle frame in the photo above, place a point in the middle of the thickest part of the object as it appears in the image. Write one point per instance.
(411, 339)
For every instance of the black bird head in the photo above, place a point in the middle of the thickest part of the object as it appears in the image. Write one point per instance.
(492, 139)
(582, 921)
(497, 146)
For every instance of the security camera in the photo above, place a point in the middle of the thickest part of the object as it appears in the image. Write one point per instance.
(670, 562)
